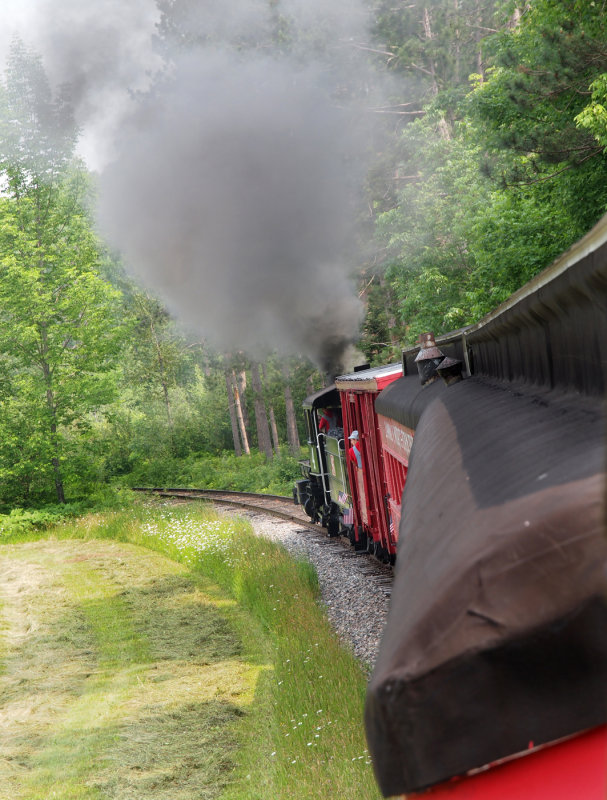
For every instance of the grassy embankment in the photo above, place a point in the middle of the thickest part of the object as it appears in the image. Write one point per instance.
(205, 669)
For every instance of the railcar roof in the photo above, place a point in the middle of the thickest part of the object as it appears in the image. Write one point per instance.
(368, 378)
(405, 399)
(328, 396)
(373, 372)
(503, 518)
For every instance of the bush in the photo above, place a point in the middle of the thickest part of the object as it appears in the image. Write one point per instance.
(23, 521)
(253, 473)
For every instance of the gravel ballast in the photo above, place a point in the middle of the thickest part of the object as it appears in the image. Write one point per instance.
(356, 605)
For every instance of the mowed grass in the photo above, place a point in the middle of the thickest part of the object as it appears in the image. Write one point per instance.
(169, 653)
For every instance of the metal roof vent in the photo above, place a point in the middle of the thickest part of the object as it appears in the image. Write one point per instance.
(428, 358)
(450, 370)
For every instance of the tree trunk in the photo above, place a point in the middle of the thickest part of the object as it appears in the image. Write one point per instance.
(232, 410)
(457, 69)
(52, 408)
(478, 37)
(292, 434)
(243, 429)
(261, 418)
(241, 378)
(273, 427)
(427, 25)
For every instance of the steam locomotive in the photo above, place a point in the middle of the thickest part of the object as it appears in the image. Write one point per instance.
(482, 465)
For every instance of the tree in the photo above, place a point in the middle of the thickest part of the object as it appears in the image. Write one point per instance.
(58, 329)
(502, 179)
(541, 79)
(292, 433)
(158, 351)
(261, 418)
(232, 412)
(437, 42)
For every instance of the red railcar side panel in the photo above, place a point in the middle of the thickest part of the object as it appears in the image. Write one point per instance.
(575, 769)
(396, 442)
(396, 439)
(370, 498)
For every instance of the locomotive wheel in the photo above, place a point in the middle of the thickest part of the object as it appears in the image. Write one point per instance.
(310, 508)
(361, 544)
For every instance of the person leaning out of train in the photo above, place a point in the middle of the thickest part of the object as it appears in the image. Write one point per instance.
(354, 451)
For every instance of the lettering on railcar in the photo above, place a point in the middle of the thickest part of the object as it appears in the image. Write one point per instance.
(396, 437)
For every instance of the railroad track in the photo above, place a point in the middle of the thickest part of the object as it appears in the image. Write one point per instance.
(274, 504)
(284, 508)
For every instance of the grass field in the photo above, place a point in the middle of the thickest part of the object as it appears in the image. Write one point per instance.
(163, 653)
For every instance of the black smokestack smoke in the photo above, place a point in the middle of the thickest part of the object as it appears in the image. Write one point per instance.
(235, 160)
(231, 197)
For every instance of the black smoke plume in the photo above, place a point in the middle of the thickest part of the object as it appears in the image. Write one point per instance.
(230, 158)
(232, 198)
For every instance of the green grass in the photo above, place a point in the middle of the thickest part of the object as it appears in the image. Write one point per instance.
(281, 711)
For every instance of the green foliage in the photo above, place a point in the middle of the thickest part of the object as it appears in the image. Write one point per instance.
(594, 116)
(543, 71)
(59, 332)
(247, 474)
(23, 523)
(504, 179)
(436, 42)
(252, 473)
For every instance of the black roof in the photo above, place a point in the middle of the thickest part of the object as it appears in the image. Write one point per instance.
(405, 399)
(329, 396)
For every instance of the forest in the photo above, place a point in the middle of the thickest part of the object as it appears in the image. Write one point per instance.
(165, 313)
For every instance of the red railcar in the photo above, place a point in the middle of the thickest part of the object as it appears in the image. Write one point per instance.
(573, 769)
(372, 522)
(491, 678)
(397, 441)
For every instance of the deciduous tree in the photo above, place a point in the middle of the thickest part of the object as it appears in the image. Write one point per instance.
(58, 330)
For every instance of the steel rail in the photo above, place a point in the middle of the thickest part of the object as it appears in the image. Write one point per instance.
(240, 499)
(381, 574)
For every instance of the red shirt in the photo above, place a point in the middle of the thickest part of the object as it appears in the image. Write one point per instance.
(326, 421)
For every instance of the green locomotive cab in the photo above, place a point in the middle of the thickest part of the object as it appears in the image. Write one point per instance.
(323, 490)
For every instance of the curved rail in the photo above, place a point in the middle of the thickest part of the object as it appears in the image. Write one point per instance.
(282, 507)
(274, 504)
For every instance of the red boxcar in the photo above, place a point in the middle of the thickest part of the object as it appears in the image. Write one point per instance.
(358, 392)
